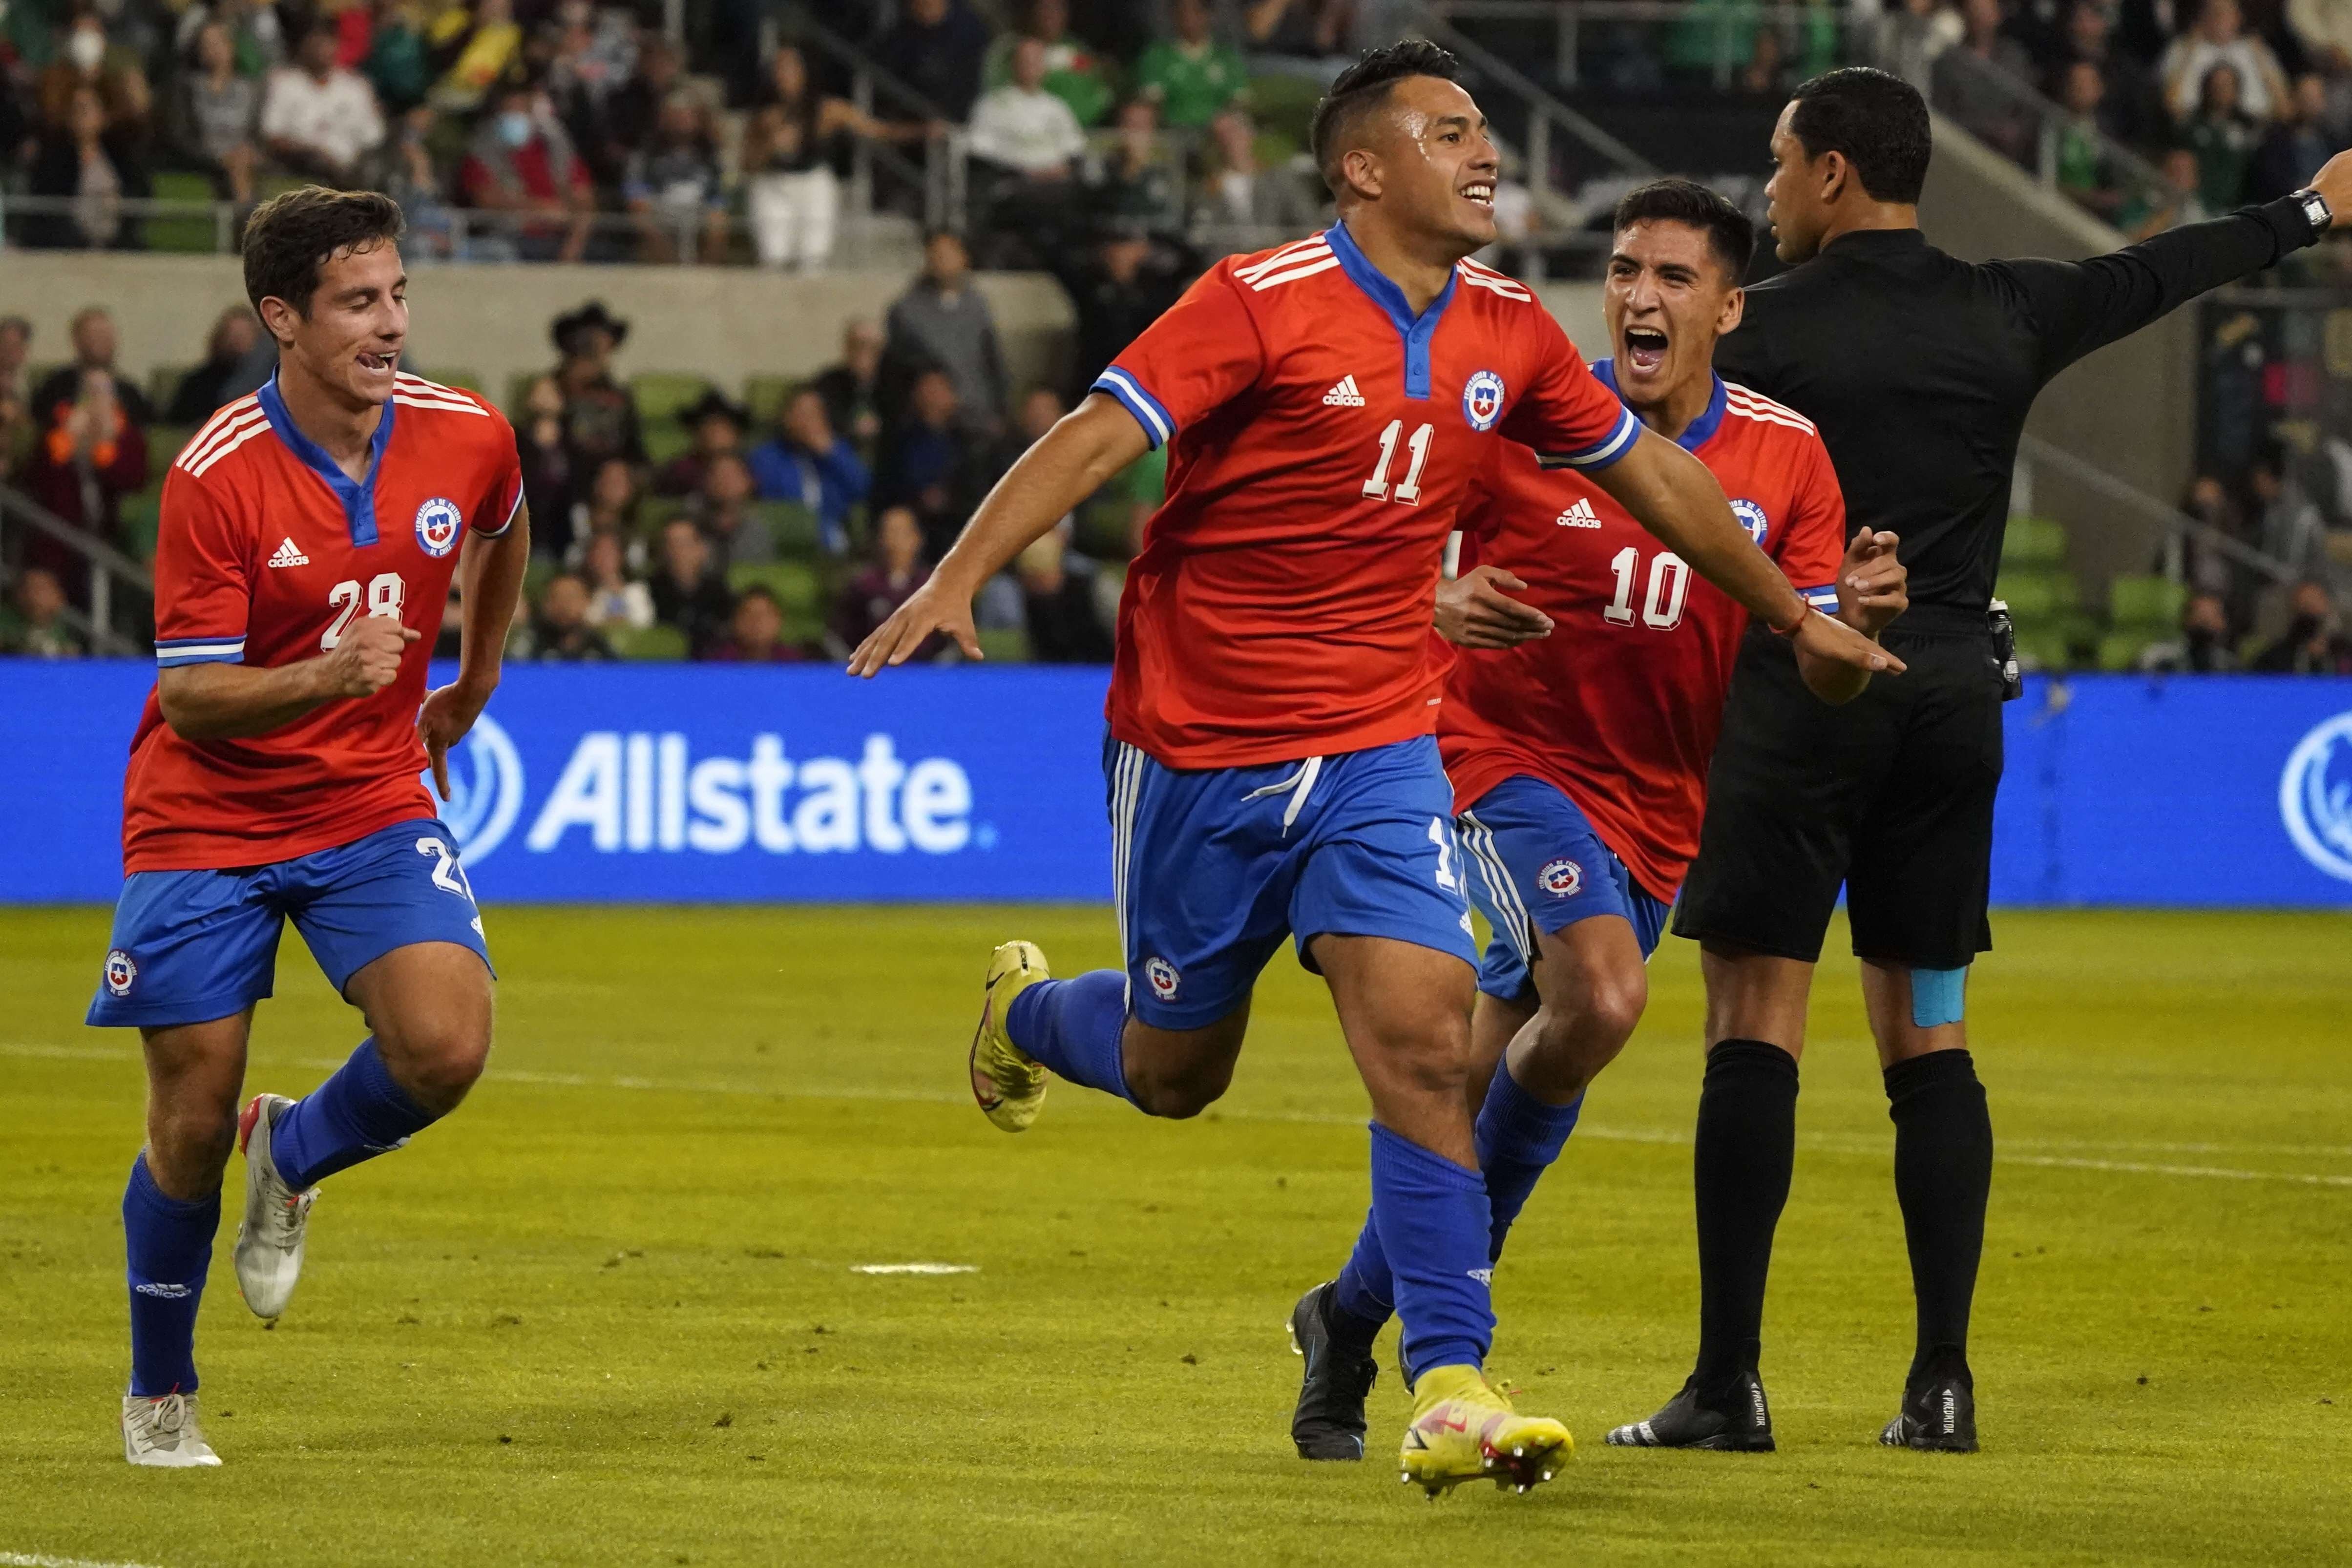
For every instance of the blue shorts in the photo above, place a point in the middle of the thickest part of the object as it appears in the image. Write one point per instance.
(193, 946)
(1542, 865)
(1213, 869)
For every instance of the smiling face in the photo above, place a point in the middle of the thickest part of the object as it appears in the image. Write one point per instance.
(1667, 298)
(348, 339)
(1426, 157)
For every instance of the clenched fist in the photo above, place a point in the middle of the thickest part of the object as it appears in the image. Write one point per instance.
(367, 659)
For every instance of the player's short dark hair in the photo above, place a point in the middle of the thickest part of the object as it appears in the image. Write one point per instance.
(1877, 120)
(1363, 87)
(289, 237)
(1731, 232)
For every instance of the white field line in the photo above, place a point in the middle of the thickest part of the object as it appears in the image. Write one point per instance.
(1816, 1143)
(42, 1560)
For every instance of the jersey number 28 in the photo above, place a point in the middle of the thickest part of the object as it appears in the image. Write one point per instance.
(384, 594)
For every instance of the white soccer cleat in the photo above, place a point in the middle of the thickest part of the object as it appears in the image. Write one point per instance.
(163, 1434)
(269, 1237)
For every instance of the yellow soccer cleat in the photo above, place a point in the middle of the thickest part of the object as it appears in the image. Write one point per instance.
(1008, 1085)
(1463, 1430)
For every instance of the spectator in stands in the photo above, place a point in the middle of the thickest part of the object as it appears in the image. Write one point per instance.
(1235, 193)
(95, 345)
(874, 595)
(36, 626)
(490, 51)
(1978, 81)
(399, 62)
(90, 449)
(2218, 40)
(99, 168)
(723, 510)
(690, 591)
(1192, 76)
(2223, 139)
(1057, 589)
(755, 631)
(672, 185)
(931, 464)
(634, 110)
(205, 387)
(1139, 180)
(852, 390)
(405, 171)
(1040, 408)
(790, 191)
(937, 48)
(2204, 646)
(318, 120)
(600, 416)
(2313, 642)
(616, 600)
(220, 114)
(718, 425)
(521, 161)
(254, 30)
(1300, 29)
(1028, 143)
(1912, 35)
(1123, 287)
(1069, 71)
(2147, 212)
(16, 396)
(548, 475)
(943, 320)
(87, 61)
(2129, 106)
(2289, 527)
(2081, 171)
(807, 462)
(2296, 146)
(559, 631)
(611, 507)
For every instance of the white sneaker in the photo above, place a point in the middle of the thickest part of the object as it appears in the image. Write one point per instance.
(269, 1237)
(163, 1433)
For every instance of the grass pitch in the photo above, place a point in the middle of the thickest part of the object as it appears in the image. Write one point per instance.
(609, 1313)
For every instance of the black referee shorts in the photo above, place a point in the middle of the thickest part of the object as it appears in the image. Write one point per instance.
(1891, 796)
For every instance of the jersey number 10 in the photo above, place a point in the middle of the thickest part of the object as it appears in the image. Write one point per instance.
(1662, 611)
(385, 592)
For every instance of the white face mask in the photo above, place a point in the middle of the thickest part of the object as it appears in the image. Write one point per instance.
(86, 48)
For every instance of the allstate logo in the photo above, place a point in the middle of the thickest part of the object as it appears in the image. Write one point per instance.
(1164, 977)
(120, 973)
(1560, 878)
(438, 523)
(2316, 796)
(1482, 400)
(1751, 517)
(485, 790)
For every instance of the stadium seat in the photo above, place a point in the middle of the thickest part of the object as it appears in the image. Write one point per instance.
(2121, 650)
(2032, 544)
(2043, 651)
(142, 513)
(660, 395)
(790, 525)
(164, 442)
(1005, 646)
(1284, 105)
(2037, 599)
(2150, 604)
(649, 645)
(764, 396)
(794, 582)
(195, 233)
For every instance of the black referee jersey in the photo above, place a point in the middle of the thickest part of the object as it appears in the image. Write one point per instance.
(1919, 370)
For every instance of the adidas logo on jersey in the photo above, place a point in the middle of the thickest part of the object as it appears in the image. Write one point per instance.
(1579, 516)
(288, 556)
(1344, 396)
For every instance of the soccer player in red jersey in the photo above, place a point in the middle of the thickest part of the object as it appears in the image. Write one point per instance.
(1579, 722)
(1270, 767)
(309, 533)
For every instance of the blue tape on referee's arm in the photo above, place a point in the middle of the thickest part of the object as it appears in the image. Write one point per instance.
(1936, 996)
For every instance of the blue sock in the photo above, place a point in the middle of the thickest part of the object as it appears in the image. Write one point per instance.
(356, 1114)
(1366, 1287)
(1074, 1027)
(169, 1245)
(1520, 1136)
(1433, 1219)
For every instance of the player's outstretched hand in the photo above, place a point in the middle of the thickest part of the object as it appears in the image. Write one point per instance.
(1474, 611)
(930, 610)
(2334, 184)
(1873, 586)
(367, 657)
(1826, 637)
(446, 719)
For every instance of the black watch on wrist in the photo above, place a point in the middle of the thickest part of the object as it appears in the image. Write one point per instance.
(2315, 208)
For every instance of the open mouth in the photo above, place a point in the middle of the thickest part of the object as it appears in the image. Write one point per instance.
(1481, 191)
(1645, 348)
(378, 361)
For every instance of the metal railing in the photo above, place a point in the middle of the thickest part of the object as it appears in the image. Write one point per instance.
(2172, 527)
(114, 577)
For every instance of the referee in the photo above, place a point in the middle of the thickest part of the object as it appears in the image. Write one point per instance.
(1919, 370)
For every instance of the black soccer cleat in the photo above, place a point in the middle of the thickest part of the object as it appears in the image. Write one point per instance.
(1329, 1421)
(1938, 1416)
(1738, 1422)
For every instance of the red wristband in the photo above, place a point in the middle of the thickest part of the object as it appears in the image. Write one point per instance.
(1791, 629)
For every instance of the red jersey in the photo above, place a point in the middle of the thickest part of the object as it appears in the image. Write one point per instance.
(1620, 706)
(267, 551)
(1320, 437)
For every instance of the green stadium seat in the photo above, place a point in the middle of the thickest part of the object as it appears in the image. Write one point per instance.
(164, 443)
(1006, 646)
(764, 396)
(1284, 105)
(660, 396)
(790, 525)
(140, 514)
(655, 644)
(194, 233)
(2043, 651)
(2032, 543)
(2145, 603)
(2036, 598)
(794, 582)
(2121, 650)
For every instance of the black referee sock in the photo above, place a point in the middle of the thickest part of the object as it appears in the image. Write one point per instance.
(1745, 1147)
(1943, 1176)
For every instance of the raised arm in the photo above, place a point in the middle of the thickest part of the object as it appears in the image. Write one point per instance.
(1090, 445)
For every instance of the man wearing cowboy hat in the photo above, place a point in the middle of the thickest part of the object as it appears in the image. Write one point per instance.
(600, 416)
(718, 425)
